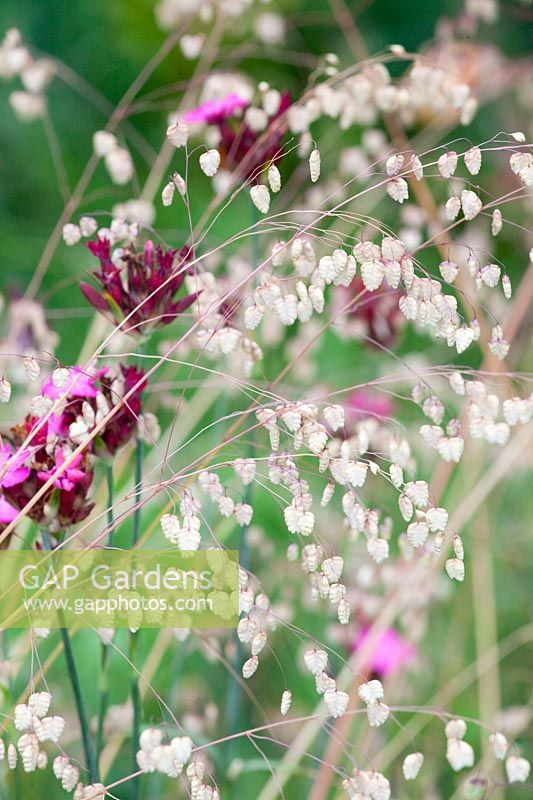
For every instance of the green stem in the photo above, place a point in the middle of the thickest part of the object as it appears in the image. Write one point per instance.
(72, 671)
(139, 453)
(110, 501)
(104, 696)
(9, 698)
(84, 724)
(134, 637)
(104, 646)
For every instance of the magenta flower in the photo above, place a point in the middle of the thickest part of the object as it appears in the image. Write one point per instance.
(212, 112)
(66, 502)
(366, 403)
(122, 426)
(391, 652)
(12, 471)
(247, 151)
(142, 287)
(7, 512)
(69, 478)
(79, 384)
(242, 149)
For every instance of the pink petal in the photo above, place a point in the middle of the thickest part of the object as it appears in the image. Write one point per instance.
(214, 111)
(7, 512)
(78, 385)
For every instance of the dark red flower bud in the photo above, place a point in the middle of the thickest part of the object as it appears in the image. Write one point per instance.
(140, 286)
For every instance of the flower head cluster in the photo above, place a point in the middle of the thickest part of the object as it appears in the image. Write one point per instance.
(35, 727)
(170, 759)
(69, 776)
(216, 111)
(367, 785)
(255, 623)
(71, 404)
(250, 138)
(364, 404)
(139, 287)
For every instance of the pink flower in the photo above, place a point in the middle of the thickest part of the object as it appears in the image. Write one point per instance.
(79, 384)
(242, 149)
(214, 111)
(12, 471)
(390, 653)
(69, 478)
(366, 403)
(7, 512)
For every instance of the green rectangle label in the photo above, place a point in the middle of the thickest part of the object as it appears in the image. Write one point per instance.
(119, 589)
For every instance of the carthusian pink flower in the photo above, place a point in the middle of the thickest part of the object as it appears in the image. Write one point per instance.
(68, 479)
(7, 512)
(83, 401)
(390, 653)
(367, 403)
(244, 149)
(213, 112)
(12, 466)
(78, 384)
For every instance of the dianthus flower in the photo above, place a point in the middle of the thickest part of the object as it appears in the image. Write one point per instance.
(67, 479)
(214, 112)
(83, 402)
(244, 149)
(65, 503)
(390, 653)
(12, 472)
(7, 513)
(139, 285)
(123, 424)
(12, 466)
(365, 403)
(79, 384)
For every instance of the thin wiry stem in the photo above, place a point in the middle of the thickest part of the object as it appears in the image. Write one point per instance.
(57, 158)
(104, 696)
